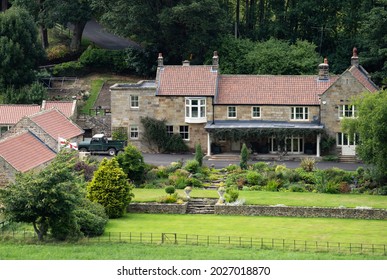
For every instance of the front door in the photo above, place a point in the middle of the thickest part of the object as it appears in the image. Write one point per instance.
(236, 146)
(348, 150)
(348, 146)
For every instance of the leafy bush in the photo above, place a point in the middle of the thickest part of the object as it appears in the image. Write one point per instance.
(132, 163)
(254, 178)
(104, 59)
(193, 182)
(199, 154)
(260, 166)
(87, 169)
(332, 187)
(175, 144)
(296, 188)
(338, 175)
(170, 189)
(57, 52)
(308, 164)
(307, 177)
(170, 198)
(272, 186)
(192, 166)
(72, 68)
(91, 218)
(231, 195)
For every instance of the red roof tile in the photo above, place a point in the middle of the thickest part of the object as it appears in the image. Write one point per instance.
(66, 107)
(271, 90)
(25, 152)
(11, 114)
(56, 124)
(187, 81)
(361, 75)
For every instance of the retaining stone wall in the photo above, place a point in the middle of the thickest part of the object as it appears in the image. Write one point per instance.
(310, 212)
(157, 208)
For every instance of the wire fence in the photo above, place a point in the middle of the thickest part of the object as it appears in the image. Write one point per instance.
(208, 240)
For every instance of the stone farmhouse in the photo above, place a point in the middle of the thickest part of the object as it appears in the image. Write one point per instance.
(33, 142)
(275, 115)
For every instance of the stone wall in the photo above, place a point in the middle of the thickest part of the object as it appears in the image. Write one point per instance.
(157, 208)
(307, 212)
(7, 173)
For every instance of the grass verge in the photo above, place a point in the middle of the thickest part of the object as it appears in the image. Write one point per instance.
(96, 86)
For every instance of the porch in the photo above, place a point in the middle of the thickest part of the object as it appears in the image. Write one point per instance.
(266, 140)
(235, 157)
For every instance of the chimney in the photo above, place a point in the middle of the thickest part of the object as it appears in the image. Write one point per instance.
(323, 70)
(160, 60)
(354, 58)
(186, 63)
(215, 61)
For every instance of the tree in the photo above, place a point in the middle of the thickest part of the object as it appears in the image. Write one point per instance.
(47, 199)
(372, 129)
(38, 9)
(20, 51)
(244, 157)
(31, 94)
(132, 163)
(110, 188)
(199, 154)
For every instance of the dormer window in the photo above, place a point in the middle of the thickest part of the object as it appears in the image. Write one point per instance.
(195, 110)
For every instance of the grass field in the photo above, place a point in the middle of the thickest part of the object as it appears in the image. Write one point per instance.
(125, 251)
(274, 198)
(312, 229)
(96, 86)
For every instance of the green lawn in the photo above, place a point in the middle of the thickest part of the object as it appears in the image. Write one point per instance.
(309, 229)
(274, 198)
(125, 251)
(96, 86)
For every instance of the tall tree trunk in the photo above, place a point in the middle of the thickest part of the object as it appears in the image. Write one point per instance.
(44, 36)
(4, 5)
(75, 44)
(237, 11)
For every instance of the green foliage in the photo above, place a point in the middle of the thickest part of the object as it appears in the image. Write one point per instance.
(57, 52)
(272, 186)
(91, 217)
(110, 188)
(102, 59)
(170, 189)
(254, 178)
(120, 133)
(199, 154)
(370, 124)
(47, 199)
(132, 163)
(20, 51)
(231, 195)
(192, 166)
(30, 94)
(308, 164)
(175, 144)
(244, 157)
(72, 68)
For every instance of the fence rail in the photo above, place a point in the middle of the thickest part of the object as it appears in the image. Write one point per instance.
(208, 240)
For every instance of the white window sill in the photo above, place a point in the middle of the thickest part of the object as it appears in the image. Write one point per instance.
(195, 120)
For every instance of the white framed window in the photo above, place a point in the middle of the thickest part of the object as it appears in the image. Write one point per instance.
(184, 132)
(299, 113)
(134, 132)
(231, 112)
(347, 111)
(195, 110)
(170, 130)
(255, 112)
(293, 145)
(343, 139)
(134, 101)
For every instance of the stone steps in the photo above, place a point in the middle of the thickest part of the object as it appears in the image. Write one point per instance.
(201, 206)
(348, 159)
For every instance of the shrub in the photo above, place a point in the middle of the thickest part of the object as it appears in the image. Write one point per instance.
(308, 164)
(260, 166)
(232, 167)
(296, 188)
(132, 163)
(272, 186)
(104, 59)
(194, 183)
(332, 187)
(338, 175)
(199, 154)
(57, 52)
(170, 198)
(72, 68)
(254, 178)
(91, 218)
(231, 195)
(192, 166)
(307, 177)
(170, 189)
(244, 157)
(175, 144)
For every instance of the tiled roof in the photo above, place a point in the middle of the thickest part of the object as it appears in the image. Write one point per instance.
(25, 152)
(56, 124)
(66, 107)
(271, 90)
(11, 114)
(187, 81)
(361, 75)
